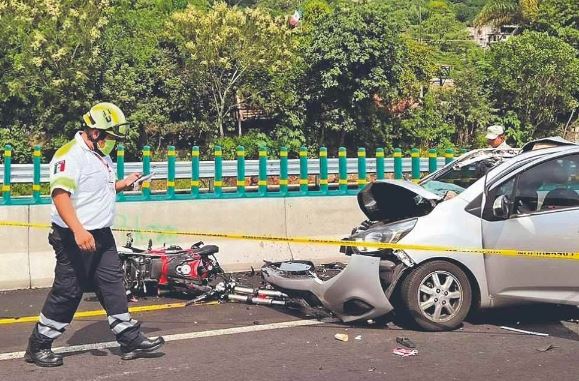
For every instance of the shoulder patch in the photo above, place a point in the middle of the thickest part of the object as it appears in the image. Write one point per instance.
(59, 166)
(65, 149)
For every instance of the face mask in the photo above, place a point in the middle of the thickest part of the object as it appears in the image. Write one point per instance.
(107, 146)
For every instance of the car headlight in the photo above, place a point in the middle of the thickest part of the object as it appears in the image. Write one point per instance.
(385, 233)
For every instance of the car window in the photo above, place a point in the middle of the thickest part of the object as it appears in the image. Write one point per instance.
(551, 185)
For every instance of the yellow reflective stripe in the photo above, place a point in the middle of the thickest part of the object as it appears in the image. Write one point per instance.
(283, 182)
(37, 153)
(343, 182)
(362, 181)
(195, 153)
(146, 153)
(218, 183)
(262, 153)
(397, 154)
(240, 153)
(170, 183)
(303, 182)
(303, 154)
(262, 183)
(361, 154)
(323, 153)
(5, 188)
(171, 153)
(146, 184)
(35, 187)
(432, 155)
(342, 154)
(283, 154)
(379, 154)
(8, 153)
(240, 183)
(194, 183)
(65, 183)
(323, 181)
(415, 154)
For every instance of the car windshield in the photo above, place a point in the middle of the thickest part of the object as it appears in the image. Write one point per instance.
(465, 171)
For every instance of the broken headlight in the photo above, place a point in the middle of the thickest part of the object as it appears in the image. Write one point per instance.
(383, 233)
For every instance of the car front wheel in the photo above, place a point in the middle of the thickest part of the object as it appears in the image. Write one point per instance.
(437, 295)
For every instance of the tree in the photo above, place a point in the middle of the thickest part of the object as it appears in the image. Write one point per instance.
(536, 76)
(503, 12)
(559, 18)
(227, 45)
(356, 69)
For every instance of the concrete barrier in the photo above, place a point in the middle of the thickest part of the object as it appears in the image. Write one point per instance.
(27, 260)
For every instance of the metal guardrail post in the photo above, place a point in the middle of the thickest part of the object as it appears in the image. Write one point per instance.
(262, 180)
(448, 155)
(240, 153)
(171, 172)
(343, 168)
(432, 160)
(397, 163)
(7, 173)
(415, 155)
(146, 171)
(380, 164)
(362, 168)
(324, 170)
(304, 169)
(195, 171)
(36, 157)
(283, 171)
(218, 180)
(120, 167)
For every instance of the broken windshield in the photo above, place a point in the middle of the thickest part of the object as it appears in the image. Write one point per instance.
(465, 171)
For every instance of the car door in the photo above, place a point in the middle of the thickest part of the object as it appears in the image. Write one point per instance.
(544, 216)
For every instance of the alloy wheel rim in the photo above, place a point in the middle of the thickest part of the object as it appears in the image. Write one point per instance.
(440, 296)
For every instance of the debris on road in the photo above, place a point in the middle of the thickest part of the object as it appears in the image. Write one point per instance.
(547, 348)
(523, 331)
(359, 337)
(406, 342)
(341, 337)
(404, 352)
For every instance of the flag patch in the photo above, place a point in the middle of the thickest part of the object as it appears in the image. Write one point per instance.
(59, 166)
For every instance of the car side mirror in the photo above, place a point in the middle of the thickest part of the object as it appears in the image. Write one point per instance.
(501, 207)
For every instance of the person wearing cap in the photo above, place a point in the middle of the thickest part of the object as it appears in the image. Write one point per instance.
(83, 188)
(496, 137)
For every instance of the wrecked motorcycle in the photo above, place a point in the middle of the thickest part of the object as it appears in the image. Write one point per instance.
(172, 268)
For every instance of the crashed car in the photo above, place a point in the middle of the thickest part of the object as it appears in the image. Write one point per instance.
(488, 199)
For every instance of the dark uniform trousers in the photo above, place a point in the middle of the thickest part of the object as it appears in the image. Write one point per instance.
(77, 272)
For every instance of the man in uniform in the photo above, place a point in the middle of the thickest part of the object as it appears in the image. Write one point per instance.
(496, 137)
(83, 187)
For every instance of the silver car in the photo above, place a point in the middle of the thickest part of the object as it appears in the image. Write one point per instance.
(489, 199)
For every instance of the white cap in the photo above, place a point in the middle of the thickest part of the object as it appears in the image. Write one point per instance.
(494, 131)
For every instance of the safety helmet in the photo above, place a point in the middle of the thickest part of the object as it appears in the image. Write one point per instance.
(108, 117)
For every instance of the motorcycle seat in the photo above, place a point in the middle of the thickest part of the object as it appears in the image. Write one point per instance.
(207, 250)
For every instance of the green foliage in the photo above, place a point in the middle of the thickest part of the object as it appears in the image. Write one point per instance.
(536, 76)
(559, 18)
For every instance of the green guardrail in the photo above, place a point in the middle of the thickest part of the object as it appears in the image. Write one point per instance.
(278, 184)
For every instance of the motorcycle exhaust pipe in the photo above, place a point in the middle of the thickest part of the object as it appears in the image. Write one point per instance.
(253, 300)
(258, 292)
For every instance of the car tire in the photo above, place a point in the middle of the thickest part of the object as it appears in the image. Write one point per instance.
(437, 296)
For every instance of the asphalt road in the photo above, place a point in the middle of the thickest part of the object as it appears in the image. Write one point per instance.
(241, 342)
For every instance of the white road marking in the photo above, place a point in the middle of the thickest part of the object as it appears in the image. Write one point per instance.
(176, 337)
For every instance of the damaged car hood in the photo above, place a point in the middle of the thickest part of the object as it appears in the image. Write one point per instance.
(393, 200)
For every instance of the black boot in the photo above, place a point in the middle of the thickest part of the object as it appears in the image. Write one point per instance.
(145, 346)
(40, 353)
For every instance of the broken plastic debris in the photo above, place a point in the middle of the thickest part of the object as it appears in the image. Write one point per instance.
(404, 352)
(546, 348)
(523, 331)
(359, 337)
(341, 336)
(406, 342)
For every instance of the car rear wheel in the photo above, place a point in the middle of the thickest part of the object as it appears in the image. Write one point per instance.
(437, 295)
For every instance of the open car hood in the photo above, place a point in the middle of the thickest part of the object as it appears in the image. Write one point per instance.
(393, 200)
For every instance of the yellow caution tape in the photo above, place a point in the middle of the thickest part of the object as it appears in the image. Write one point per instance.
(330, 242)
